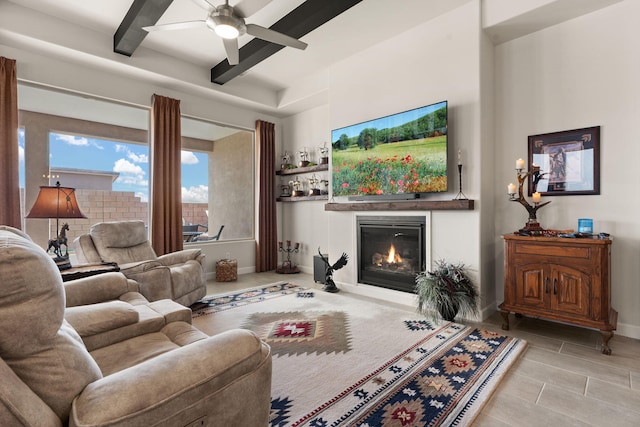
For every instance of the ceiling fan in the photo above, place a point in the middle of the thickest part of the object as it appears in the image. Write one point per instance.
(228, 23)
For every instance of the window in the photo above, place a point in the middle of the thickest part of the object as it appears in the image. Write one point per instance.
(217, 181)
(111, 178)
(98, 147)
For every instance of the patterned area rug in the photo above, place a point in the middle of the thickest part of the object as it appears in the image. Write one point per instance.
(342, 360)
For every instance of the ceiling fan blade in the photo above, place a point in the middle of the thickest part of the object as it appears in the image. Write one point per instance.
(175, 26)
(205, 5)
(233, 53)
(247, 8)
(274, 36)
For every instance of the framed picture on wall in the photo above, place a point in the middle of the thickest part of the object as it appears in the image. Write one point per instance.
(569, 160)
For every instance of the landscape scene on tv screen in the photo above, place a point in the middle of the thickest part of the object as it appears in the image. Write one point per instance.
(405, 153)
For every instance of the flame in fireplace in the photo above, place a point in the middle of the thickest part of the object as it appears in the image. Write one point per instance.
(392, 254)
(393, 257)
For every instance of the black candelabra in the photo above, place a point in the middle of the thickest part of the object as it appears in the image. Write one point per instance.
(287, 267)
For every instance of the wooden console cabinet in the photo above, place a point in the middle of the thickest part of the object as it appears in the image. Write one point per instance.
(561, 279)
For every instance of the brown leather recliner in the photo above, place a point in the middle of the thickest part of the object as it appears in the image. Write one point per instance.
(179, 276)
(146, 364)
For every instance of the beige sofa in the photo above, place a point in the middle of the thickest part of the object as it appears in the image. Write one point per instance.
(95, 352)
(179, 276)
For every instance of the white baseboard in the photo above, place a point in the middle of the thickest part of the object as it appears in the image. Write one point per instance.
(626, 330)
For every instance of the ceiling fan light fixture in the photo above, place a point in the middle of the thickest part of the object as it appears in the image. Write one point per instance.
(225, 24)
(226, 31)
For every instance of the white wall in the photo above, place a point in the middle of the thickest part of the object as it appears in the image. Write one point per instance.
(435, 61)
(305, 222)
(581, 73)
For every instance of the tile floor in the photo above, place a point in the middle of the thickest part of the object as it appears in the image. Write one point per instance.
(561, 380)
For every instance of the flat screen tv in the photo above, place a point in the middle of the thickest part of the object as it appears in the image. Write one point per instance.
(393, 157)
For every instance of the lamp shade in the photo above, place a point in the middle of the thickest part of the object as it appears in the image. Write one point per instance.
(56, 202)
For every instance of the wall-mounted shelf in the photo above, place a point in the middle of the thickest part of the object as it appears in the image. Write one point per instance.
(302, 170)
(405, 205)
(302, 198)
(306, 169)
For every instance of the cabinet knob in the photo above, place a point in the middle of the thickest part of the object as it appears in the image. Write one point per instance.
(555, 286)
(546, 285)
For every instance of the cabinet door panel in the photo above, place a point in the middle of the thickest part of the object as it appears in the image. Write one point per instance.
(570, 290)
(530, 285)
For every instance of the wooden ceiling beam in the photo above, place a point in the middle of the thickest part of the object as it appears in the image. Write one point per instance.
(142, 13)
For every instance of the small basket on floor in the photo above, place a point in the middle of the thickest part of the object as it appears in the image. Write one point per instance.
(227, 270)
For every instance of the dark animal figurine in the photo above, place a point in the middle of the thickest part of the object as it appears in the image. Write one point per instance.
(59, 241)
(329, 285)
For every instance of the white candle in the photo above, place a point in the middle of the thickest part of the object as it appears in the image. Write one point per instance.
(459, 157)
(511, 188)
(519, 164)
(536, 197)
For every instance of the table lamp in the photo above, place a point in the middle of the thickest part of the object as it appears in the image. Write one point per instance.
(57, 202)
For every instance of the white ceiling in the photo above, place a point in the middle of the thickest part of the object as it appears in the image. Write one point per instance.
(66, 26)
(286, 83)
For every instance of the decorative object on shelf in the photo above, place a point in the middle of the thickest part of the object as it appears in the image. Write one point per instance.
(448, 290)
(572, 158)
(57, 202)
(324, 154)
(329, 284)
(460, 195)
(297, 187)
(288, 267)
(585, 225)
(304, 157)
(532, 227)
(285, 190)
(313, 185)
(286, 161)
(324, 186)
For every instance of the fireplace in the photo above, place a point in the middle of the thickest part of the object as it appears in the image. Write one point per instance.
(391, 251)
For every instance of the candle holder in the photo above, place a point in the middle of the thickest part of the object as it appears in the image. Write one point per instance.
(288, 267)
(532, 226)
(460, 195)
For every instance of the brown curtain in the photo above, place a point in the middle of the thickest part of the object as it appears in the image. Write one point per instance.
(166, 197)
(267, 234)
(9, 169)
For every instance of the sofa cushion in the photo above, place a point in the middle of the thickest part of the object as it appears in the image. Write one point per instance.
(131, 352)
(122, 242)
(31, 296)
(98, 288)
(97, 318)
(43, 350)
(19, 405)
(58, 371)
(149, 321)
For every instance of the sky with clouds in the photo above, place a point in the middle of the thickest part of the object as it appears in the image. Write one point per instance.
(131, 161)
